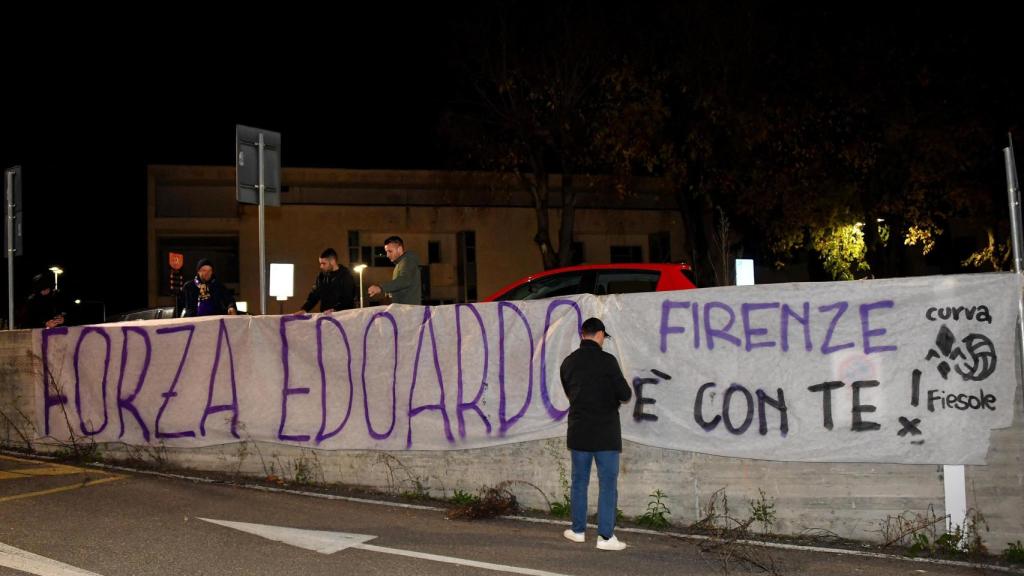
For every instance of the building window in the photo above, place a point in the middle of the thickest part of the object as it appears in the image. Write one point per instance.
(222, 251)
(626, 254)
(576, 255)
(369, 255)
(465, 265)
(380, 256)
(425, 285)
(660, 247)
(433, 252)
(354, 252)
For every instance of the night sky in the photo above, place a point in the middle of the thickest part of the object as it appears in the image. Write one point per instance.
(86, 120)
(86, 109)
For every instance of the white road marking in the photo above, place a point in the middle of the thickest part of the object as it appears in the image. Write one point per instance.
(320, 541)
(326, 542)
(459, 561)
(18, 559)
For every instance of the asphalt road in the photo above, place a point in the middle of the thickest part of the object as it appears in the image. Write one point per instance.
(78, 521)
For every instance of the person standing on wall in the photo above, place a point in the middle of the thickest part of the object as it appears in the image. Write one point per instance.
(404, 287)
(204, 295)
(334, 288)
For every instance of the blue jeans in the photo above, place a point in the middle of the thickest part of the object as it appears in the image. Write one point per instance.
(608, 492)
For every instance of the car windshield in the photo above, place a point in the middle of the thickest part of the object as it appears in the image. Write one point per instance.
(547, 287)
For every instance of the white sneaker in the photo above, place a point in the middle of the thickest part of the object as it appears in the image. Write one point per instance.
(612, 543)
(573, 536)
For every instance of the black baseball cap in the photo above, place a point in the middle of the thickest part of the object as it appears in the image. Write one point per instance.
(593, 326)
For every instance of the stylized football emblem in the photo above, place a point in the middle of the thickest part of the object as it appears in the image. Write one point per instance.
(981, 358)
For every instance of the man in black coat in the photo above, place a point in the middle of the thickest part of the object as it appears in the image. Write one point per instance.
(334, 288)
(594, 384)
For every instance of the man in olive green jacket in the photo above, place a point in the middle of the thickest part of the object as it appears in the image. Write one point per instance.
(404, 287)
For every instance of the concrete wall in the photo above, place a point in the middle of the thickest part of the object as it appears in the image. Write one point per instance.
(851, 500)
(997, 490)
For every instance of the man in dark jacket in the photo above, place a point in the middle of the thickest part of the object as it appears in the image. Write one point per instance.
(404, 287)
(204, 295)
(44, 308)
(334, 288)
(594, 384)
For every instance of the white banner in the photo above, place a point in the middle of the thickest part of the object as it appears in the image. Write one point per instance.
(915, 370)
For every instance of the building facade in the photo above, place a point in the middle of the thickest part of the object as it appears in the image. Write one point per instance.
(473, 232)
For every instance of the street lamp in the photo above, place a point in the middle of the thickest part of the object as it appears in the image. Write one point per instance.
(56, 274)
(359, 270)
(744, 272)
(282, 282)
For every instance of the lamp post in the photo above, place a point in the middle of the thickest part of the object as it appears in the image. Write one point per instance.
(359, 270)
(57, 271)
(282, 283)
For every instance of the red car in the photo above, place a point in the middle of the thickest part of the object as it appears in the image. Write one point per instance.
(598, 279)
